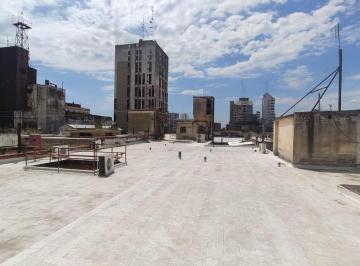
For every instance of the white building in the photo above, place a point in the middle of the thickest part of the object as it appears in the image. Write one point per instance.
(268, 109)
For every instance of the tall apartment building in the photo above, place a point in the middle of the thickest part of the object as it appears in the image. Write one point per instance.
(141, 87)
(15, 76)
(241, 113)
(268, 109)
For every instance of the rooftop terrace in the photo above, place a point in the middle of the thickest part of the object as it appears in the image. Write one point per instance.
(238, 208)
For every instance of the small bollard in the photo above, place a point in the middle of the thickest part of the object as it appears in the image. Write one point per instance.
(165, 144)
(205, 159)
(179, 155)
(150, 148)
(279, 164)
(210, 150)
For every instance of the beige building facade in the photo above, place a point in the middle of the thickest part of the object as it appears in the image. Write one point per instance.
(141, 82)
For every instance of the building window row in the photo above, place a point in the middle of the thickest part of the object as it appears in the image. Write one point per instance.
(144, 104)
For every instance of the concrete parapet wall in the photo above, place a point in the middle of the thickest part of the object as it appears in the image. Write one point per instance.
(319, 138)
(284, 138)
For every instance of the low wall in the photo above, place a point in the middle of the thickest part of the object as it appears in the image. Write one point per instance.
(327, 138)
(319, 138)
(283, 144)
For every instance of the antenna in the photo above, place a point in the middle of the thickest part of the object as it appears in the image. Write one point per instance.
(143, 28)
(22, 38)
(152, 24)
(337, 36)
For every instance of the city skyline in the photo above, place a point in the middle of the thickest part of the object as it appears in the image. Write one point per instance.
(228, 50)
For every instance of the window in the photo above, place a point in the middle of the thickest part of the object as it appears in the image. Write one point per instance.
(150, 66)
(143, 80)
(182, 130)
(149, 78)
(115, 105)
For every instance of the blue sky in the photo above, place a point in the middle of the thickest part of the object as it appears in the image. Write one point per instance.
(224, 48)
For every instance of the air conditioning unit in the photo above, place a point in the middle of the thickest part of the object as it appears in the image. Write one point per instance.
(106, 165)
(61, 150)
(262, 147)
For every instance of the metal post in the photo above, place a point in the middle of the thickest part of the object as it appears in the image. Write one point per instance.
(18, 131)
(125, 154)
(25, 155)
(340, 78)
(58, 157)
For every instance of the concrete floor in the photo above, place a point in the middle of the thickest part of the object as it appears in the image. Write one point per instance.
(239, 208)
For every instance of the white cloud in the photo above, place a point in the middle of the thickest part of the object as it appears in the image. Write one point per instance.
(80, 36)
(108, 88)
(198, 92)
(286, 39)
(355, 77)
(297, 78)
(351, 34)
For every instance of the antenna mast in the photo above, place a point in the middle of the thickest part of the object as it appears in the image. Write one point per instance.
(152, 23)
(337, 36)
(22, 38)
(143, 28)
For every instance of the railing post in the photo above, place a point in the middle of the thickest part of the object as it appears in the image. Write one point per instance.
(25, 155)
(58, 157)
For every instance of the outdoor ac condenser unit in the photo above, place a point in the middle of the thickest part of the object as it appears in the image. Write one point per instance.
(106, 165)
(61, 150)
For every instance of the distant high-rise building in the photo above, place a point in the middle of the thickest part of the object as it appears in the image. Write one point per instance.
(141, 87)
(258, 116)
(241, 113)
(15, 76)
(183, 116)
(172, 119)
(268, 109)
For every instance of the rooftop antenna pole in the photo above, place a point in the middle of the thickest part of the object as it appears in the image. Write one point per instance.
(143, 28)
(337, 36)
(152, 23)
